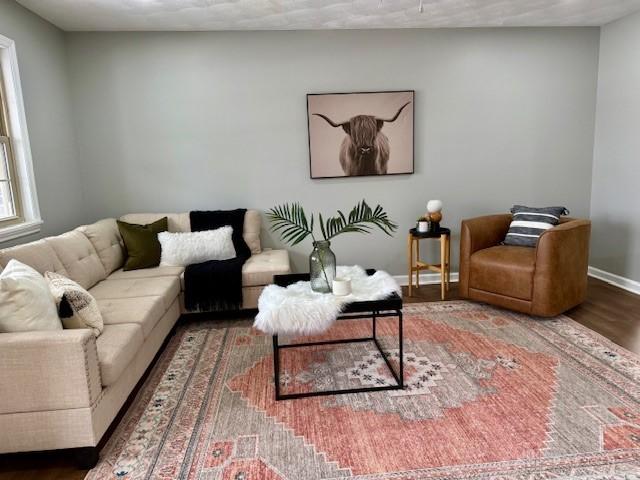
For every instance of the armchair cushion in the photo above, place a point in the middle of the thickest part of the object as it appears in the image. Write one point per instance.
(505, 269)
(529, 223)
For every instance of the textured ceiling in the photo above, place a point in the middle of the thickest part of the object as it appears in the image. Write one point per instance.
(323, 14)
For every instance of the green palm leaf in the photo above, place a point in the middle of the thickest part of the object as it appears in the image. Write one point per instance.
(361, 219)
(291, 222)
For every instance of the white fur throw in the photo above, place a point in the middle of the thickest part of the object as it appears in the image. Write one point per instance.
(184, 248)
(298, 310)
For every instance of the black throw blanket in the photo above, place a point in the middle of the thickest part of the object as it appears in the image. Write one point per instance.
(217, 284)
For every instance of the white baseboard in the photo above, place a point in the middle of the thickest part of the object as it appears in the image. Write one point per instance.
(425, 278)
(615, 280)
(611, 278)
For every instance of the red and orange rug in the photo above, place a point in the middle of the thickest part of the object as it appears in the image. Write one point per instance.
(490, 394)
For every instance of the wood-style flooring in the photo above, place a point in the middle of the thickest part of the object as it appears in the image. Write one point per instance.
(608, 310)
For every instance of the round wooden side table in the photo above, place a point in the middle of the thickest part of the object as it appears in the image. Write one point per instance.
(416, 265)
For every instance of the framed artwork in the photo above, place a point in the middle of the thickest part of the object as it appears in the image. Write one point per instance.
(360, 134)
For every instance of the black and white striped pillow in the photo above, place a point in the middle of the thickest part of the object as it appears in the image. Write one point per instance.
(528, 224)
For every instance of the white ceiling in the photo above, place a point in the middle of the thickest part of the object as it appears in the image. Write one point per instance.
(323, 14)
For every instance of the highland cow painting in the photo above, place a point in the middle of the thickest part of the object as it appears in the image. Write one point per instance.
(360, 134)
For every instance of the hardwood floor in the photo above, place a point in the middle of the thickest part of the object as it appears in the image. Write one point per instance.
(612, 312)
(608, 310)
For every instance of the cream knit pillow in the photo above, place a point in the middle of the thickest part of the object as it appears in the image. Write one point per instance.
(76, 307)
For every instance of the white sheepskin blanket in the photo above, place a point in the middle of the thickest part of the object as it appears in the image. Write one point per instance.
(298, 310)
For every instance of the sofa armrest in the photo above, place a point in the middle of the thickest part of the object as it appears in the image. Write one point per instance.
(562, 260)
(51, 370)
(477, 234)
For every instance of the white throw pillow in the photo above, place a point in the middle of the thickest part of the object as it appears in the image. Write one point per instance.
(80, 309)
(26, 304)
(186, 248)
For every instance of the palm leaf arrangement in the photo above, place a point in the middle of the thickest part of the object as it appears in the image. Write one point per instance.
(291, 221)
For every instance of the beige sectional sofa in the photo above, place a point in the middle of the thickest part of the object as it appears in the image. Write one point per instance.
(62, 389)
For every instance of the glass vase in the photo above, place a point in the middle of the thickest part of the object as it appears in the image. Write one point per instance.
(322, 267)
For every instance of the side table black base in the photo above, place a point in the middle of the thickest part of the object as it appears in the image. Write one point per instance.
(398, 377)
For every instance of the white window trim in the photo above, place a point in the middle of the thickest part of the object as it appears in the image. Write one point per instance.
(20, 143)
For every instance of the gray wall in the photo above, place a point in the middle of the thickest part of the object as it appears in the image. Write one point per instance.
(42, 60)
(615, 202)
(179, 121)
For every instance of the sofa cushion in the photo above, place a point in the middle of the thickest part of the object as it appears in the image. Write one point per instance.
(178, 222)
(504, 270)
(160, 271)
(106, 239)
(78, 257)
(251, 231)
(38, 255)
(117, 346)
(166, 287)
(259, 269)
(143, 311)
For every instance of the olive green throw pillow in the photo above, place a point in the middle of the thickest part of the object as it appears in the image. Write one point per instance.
(141, 243)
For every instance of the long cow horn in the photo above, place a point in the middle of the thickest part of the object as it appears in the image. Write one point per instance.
(329, 121)
(396, 115)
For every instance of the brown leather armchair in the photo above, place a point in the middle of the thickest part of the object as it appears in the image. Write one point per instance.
(545, 281)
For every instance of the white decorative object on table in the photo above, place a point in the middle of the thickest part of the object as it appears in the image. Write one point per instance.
(434, 206)
(341, 286)
(423, 226)
(298, 310)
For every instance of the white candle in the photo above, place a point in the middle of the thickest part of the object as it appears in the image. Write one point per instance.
(341, 286)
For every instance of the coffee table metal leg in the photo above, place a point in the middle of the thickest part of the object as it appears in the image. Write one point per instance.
(401, 355)
(399, 378)
(373, 316)
(276, 365)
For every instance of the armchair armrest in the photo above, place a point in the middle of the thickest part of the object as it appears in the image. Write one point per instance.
(477, 234)
(562, 260)
(50, 370)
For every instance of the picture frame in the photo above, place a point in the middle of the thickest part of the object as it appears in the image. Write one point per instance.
(359, 134)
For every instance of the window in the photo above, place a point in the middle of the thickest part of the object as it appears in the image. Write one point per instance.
(9, 193)
(19, 211)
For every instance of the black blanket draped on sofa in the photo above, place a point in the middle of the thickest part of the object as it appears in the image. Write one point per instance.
(217, 284)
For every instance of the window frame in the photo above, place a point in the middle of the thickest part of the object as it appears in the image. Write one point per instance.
(13, 181)
(13, 127)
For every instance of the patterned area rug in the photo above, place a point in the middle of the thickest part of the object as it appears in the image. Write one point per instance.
(491, 394)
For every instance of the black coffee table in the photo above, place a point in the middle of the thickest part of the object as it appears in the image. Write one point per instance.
(388, 307)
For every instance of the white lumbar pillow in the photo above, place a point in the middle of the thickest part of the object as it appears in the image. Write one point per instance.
(26, 304)
(80, 307)
(185, 248)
